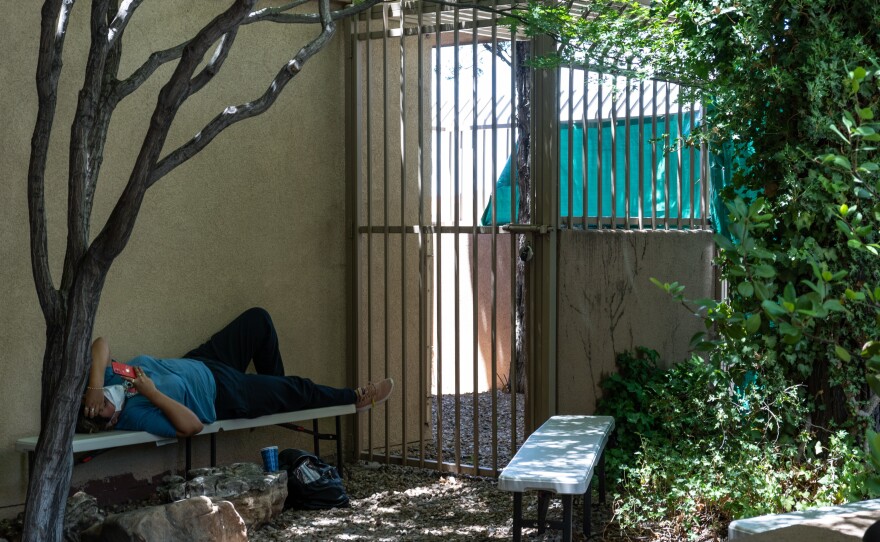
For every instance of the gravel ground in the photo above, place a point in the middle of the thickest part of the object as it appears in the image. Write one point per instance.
(395, 503)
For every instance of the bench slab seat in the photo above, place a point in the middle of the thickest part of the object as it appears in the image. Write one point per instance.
(559, 458)
(106, 440)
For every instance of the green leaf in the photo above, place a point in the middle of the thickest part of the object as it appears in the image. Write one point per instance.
(842, 161)
(745, 289)
(833, 305)
(818, 288)
(772, 308)
(866, 113)
(762, 292)
(839, 133)
(765, 271)
(854, 296)
(841, 353)
(724, 243)
(789, 293)
(753, 323)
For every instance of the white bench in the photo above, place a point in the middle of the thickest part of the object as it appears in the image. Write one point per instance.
(99, 442)
(559, 457)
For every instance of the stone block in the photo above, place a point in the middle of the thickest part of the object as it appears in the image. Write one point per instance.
(257, 496)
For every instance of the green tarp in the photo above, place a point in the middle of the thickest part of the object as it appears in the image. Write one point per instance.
(668, 196)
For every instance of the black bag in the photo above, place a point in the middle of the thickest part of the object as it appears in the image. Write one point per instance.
(311, 483)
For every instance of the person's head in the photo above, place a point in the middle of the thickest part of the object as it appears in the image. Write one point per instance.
(105, 418)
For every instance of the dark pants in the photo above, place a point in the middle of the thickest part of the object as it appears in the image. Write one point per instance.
(241, 395)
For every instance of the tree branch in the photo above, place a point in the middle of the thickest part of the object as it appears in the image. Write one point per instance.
(117, 230)
(53, 29)
(234, 114)
(106, 106)
(120, 21)
(278, 15)
(80, 134)
(215, 63)
(137, 78)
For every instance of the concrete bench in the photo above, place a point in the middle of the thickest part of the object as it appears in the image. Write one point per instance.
(559, 458)
(99, 442)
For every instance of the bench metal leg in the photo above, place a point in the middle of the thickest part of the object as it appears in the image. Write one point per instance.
(566, 518)
(339, 445)
(188, 457)
(588, 502)
(517, 517)
(213, 449)
(543, 504)
(316, 438)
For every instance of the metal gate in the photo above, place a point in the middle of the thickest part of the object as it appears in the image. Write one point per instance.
(432, 118)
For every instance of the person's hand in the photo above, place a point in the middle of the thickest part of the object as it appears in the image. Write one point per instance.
(143, 383)
(93, 402)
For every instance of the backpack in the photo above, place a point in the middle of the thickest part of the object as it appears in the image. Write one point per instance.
(311, 483)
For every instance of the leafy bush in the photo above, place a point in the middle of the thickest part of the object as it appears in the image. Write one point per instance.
(698, 445)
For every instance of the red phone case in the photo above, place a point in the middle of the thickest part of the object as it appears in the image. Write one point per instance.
(123, 370)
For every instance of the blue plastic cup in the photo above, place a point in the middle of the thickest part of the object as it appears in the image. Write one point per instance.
(270, 458)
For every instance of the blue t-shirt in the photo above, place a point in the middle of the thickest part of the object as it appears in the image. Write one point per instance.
(187, 381)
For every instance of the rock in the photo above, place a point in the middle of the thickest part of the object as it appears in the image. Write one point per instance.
(196, 520)
(81, 513)
(257, 496)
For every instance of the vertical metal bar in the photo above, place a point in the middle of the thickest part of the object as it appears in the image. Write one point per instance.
(705, 181)
(475, 259)
(456, 247)
(586, 150)
(438, 262)
(570, 149)
(514, 183)
(423, 256)
(614, 154)
(641, 198)
(353, 202)
(666, 154)
(403, 235)
(654, 121)
(494, 250)
(369, 108)
(693, 166)
(386, 169)
(680, 157)
(599, 160)
(627, 163)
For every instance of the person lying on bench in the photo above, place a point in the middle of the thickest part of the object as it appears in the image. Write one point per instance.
(175, 397)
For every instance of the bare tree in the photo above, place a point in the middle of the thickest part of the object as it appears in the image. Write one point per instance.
(516, 55)
(69, 307)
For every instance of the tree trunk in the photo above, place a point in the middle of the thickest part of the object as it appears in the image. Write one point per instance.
(65, 370)
(524, 185)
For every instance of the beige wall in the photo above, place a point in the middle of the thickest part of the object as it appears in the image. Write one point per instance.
(256, 219)
(607, 304)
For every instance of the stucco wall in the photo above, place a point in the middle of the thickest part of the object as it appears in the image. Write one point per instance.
(256, 219)
(607, 304)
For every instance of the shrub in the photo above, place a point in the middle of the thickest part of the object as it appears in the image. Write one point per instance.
(699, 445)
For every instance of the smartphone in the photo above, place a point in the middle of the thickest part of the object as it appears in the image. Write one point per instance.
(123, 370)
